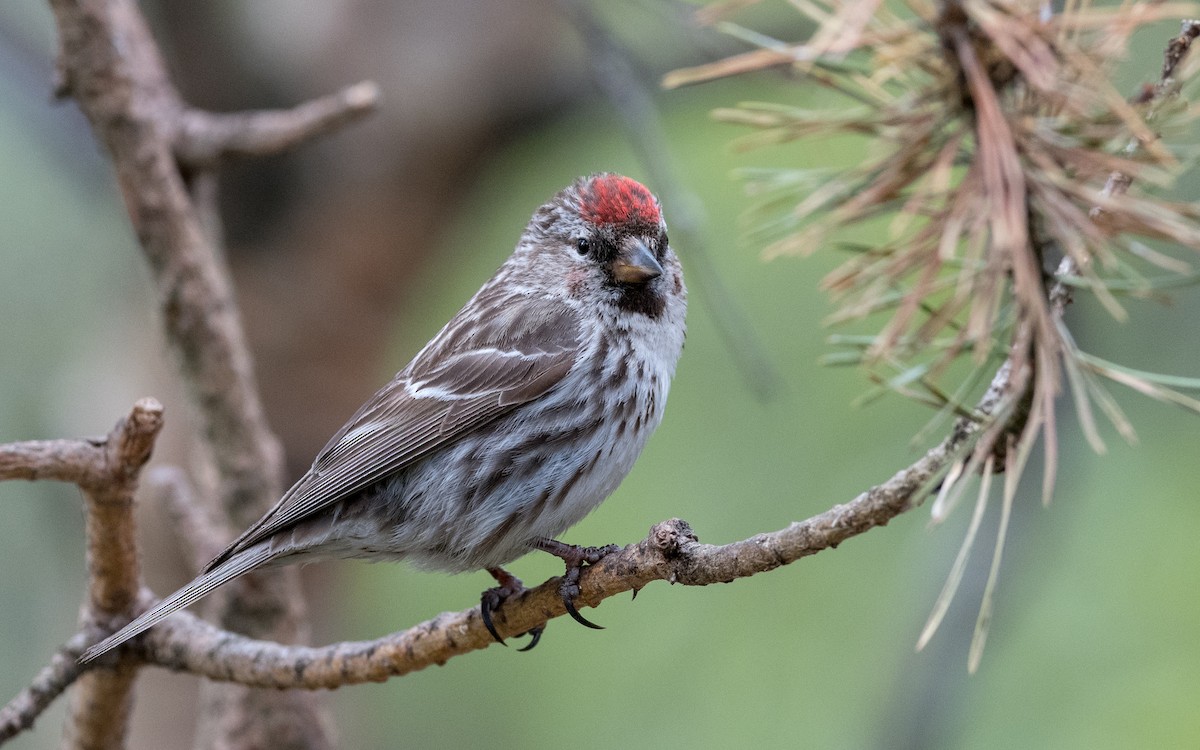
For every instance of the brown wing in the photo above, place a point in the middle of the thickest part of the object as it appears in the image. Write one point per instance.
(442, 395)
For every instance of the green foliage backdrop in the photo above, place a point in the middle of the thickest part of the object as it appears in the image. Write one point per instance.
(1094, 642)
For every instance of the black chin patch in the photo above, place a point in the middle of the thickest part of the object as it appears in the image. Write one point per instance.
(642, 298)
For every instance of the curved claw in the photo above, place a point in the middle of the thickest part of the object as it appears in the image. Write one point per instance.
(575, 558)
(535, 636)
(490, 600)
(485, 612)
(574, 613)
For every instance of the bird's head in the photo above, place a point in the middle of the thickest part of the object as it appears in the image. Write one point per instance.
(605, 235)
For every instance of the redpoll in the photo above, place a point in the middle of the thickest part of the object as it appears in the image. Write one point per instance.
(515, 421)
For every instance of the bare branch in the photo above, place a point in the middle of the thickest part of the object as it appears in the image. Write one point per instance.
(194, 526)
(92, 463)
(1176, 50)
(670, 553)
(209, 138)
(28, 705)
(100, 706)
(110, 64)
(1119, 182)
(113, 574)
(59, 460)
(106, 469)
(113, 69)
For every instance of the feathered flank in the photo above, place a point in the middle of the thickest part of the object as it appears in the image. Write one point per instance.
(999, 150)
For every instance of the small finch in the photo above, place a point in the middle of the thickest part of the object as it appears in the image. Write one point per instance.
(512, 424)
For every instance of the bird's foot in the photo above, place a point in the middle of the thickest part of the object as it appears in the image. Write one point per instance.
(491, 600)
(575, 558)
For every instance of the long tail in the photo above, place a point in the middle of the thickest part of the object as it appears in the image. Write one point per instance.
(200, 587)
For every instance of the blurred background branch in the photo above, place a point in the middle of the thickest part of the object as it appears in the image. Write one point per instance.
(109, 63)
(613, 71)
(397, 222)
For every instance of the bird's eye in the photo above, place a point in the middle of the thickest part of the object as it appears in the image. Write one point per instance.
(584, 246)
(662, 243)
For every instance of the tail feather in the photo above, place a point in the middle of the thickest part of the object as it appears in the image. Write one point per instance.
(200, 587)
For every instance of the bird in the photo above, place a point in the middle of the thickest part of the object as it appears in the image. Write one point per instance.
(515, 421)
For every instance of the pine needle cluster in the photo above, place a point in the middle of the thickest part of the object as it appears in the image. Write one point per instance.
(1010, 174)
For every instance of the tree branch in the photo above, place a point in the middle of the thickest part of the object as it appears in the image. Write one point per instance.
(201, 534)
(57, 460)
(670, 553)
(207, 139)
(106, 470)
(113, 573)
(110, 64)
(112, 68)
(64, 668)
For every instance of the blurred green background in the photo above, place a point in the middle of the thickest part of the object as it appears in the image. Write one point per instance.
(1094, 642)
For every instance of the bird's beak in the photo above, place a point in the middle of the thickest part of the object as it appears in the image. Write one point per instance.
(635, 264)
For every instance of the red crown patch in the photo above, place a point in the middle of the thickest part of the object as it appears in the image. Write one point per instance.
(613, 199)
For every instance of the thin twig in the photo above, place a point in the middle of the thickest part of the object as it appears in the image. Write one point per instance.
(202, 535)
(207, 139)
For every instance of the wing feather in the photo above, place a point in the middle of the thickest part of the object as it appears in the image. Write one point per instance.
(441, 396)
